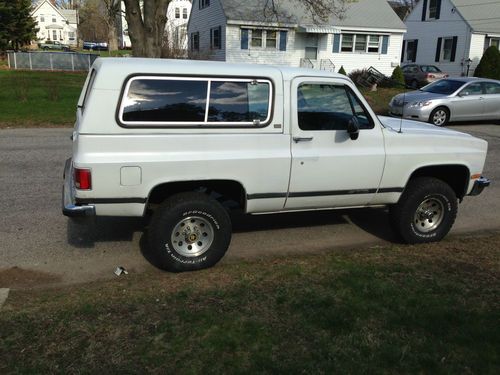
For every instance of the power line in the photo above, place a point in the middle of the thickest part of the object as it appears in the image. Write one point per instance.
(477, 4)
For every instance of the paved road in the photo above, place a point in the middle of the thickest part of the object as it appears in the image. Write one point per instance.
(34, 235)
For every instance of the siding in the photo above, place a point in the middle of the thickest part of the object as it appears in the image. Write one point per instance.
(202, 20)
(427, 32)
(477, 44)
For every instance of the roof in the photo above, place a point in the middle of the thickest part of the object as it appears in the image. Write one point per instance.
(69, 14)
(482, 15)
(376, 14)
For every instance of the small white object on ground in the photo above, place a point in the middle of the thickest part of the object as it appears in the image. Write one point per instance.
(4, 293)
(120, 270)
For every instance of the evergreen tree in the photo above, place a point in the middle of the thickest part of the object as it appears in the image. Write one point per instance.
(342, 70)
(489, 66)
(397, 76)
(17, 27)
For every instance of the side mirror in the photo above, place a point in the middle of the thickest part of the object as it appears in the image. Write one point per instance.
(353, 128)
(463, 93)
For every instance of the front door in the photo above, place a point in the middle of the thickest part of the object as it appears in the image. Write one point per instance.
(311, 51)
(468, 104)
(329, 169)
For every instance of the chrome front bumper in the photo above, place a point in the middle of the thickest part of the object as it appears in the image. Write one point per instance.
(69, 207)
(479, 186)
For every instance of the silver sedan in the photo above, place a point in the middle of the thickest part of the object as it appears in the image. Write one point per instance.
(450, 99)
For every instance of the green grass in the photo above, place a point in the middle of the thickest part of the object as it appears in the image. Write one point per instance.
(398, 309)
(29, 98)
(379, 100)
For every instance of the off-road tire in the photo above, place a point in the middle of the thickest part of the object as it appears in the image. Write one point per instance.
(199, 216)
(425, 212)
(440, 116)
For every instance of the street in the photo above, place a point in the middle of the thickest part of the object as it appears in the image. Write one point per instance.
(34, 235)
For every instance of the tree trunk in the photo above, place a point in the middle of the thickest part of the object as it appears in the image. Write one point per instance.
(112, 37)
(146, 27)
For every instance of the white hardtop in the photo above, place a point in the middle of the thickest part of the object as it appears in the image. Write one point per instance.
(113, 70)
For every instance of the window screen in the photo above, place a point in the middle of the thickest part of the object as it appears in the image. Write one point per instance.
(329, 107)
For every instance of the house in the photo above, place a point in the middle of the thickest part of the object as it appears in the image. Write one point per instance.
(451, 34)
(55, 24)
(369, 34)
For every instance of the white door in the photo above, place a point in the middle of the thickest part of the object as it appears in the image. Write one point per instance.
(329, 169)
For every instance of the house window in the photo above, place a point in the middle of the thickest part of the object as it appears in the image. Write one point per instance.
(271, 39)
(42, 18)
(177, 13)
(54, 18)
(447, 48)
(347, 42)
(360, 43)
(215, 38)
(433, 9)
(184, 13)
(257, 38)
(204, 3)
(411, 50)
(195, 41)
(495, 43)
(54, 34)
(71, 35)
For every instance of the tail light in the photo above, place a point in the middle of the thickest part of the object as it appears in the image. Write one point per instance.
(430, 75)
(83, 179)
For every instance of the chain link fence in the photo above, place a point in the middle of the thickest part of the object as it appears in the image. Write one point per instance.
(72, 61)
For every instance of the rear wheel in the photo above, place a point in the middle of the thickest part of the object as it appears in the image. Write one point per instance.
(440, 116)
(426, 210)
(189, 231)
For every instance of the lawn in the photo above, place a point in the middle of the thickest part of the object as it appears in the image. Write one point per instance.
(396, 309)
(379, 100)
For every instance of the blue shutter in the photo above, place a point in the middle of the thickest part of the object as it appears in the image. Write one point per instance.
(283, 36)
(336, 43)
(385, 44)
(244, 38)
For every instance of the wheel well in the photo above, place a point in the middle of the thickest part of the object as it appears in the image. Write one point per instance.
(456, 176)
(221, 190)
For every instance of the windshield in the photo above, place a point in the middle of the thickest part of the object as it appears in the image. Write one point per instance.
(430, 69)
(443, 86)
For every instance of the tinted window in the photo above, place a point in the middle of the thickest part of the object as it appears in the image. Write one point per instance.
(89, 87)
(492, 88)
(238, 101)
(430, 69)
(165, 100)
(472, 89)
(328, 107)
(443, 86)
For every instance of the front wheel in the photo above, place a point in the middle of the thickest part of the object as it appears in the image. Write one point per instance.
(189, 231)
(426, 211)
(440, 116)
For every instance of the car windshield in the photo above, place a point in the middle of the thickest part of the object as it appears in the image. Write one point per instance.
(443, 86)
(430, 69)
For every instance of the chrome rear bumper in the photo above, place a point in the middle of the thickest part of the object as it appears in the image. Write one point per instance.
(479, 186)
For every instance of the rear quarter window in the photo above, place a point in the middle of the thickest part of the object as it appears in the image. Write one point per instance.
(202, 102)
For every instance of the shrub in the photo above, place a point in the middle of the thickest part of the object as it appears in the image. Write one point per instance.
(489, 66)
(397, 77)
(342, 70)
(357, 75)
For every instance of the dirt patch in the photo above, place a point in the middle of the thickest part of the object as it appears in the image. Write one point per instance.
(16, 277)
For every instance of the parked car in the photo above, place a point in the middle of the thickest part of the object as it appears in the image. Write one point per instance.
(53, 44)
(421, 75)
(95, 46)
(183, 142)
(450, 99)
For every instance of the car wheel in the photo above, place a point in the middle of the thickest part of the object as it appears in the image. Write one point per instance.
(425, 212)
(414, 84)
(189, 231)
(440, 116)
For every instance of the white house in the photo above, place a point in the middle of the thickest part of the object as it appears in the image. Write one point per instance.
(451, 34)
(369, 34)
(55, 24)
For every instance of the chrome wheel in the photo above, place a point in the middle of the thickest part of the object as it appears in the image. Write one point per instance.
(440, 117)
(192, 236)
(429, 215)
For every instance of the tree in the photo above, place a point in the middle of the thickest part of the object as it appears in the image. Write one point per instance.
(98, 21)
(342, 70)
(146, 23)
(17, 27)
(489, 66)
(398, 77)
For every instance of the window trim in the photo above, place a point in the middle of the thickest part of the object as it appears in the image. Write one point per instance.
(367, 43)
(441, 55)
(190, 125)
(263, 38)
(204, 4)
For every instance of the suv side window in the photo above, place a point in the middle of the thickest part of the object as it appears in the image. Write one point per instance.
(329, 107)
(173, 101)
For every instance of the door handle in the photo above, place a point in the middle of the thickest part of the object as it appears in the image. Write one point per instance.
(302, 139)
